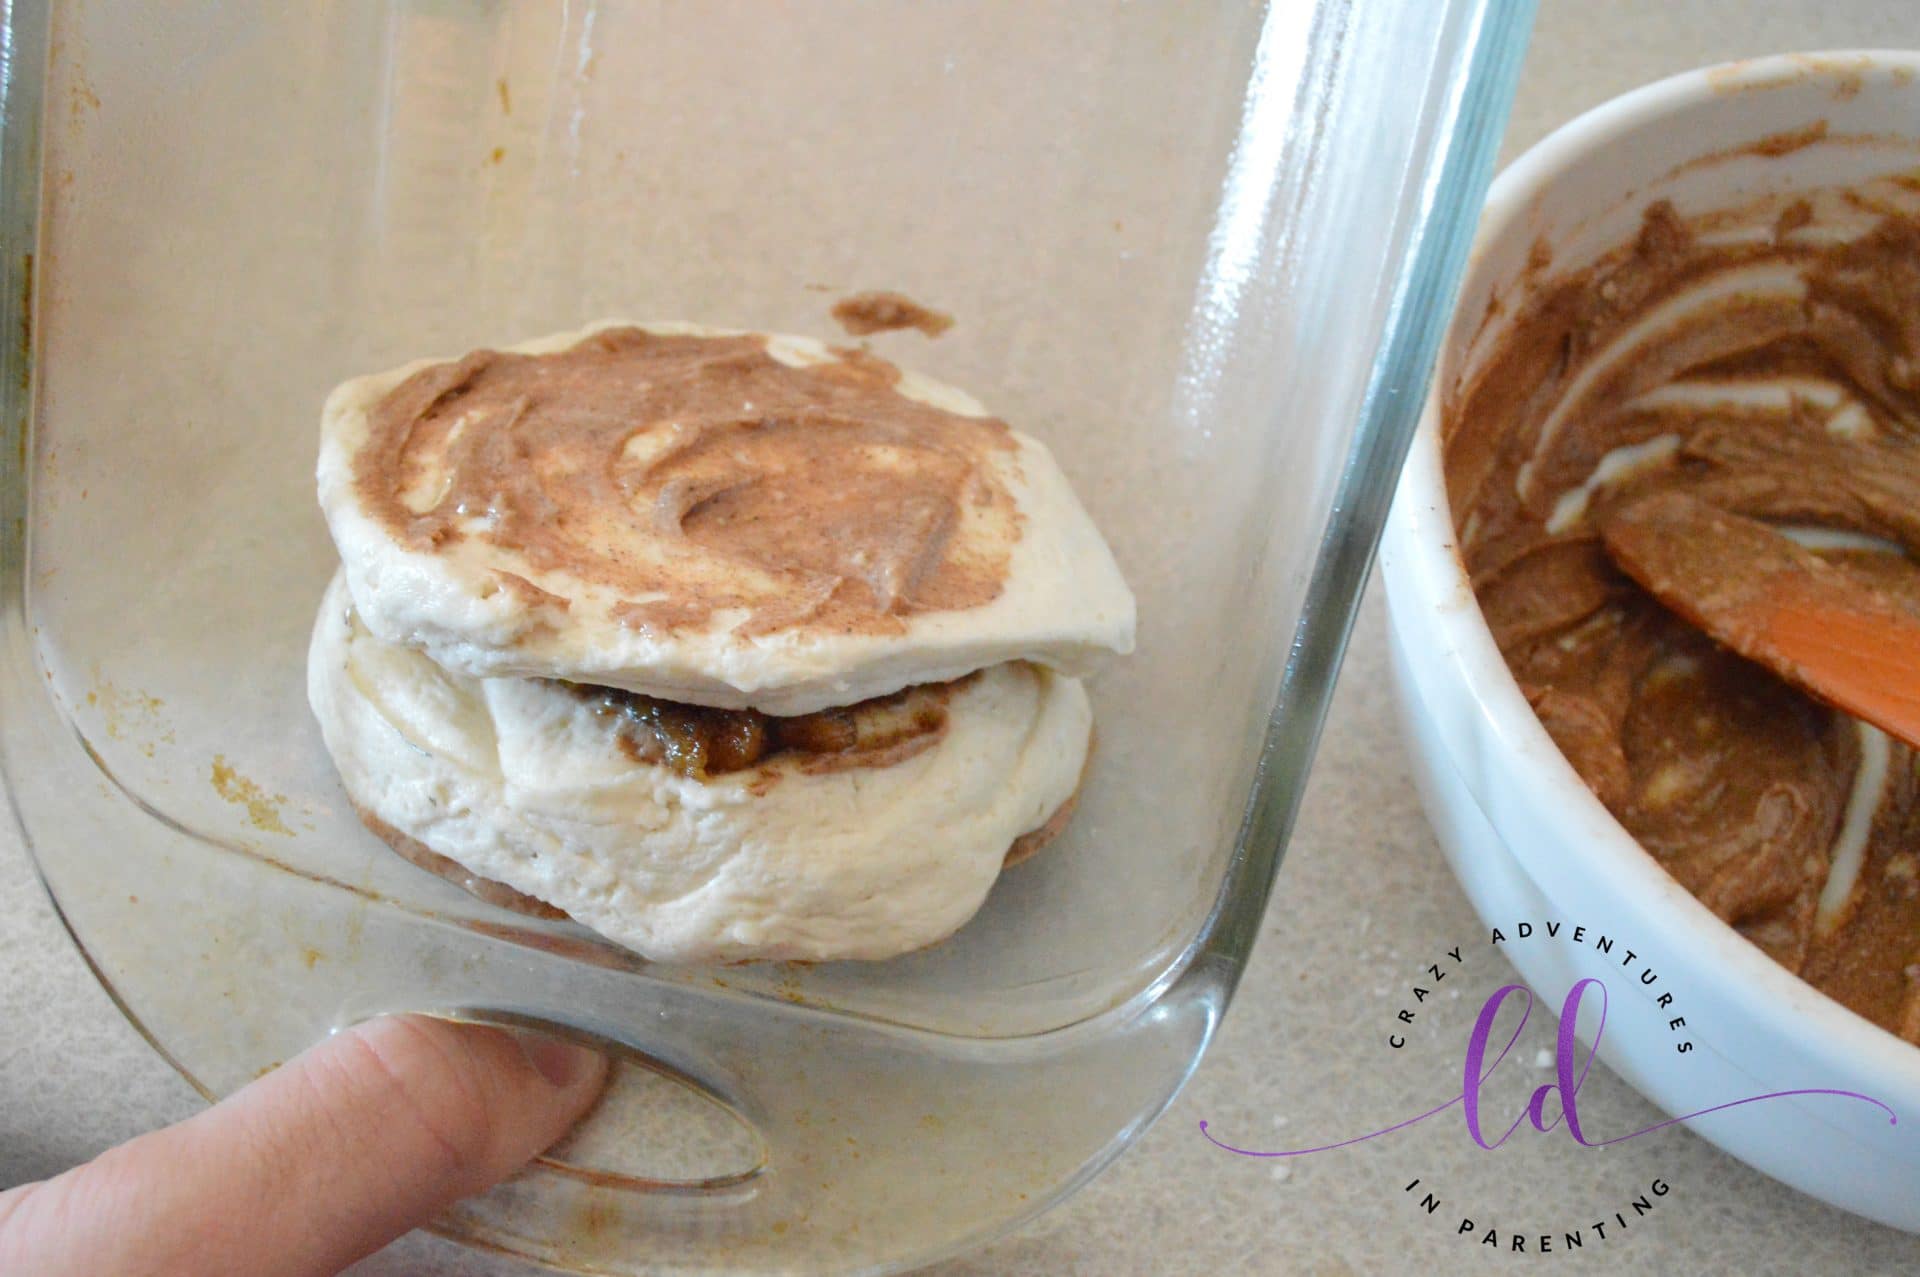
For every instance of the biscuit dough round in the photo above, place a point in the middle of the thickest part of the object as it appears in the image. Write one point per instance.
(520, 782)
(482, 607)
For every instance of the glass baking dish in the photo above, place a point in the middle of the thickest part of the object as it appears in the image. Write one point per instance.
(1204, 252)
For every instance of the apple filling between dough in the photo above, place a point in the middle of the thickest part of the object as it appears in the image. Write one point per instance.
(700, 741)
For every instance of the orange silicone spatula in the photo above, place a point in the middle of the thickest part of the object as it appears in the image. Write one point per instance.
(1828, 631)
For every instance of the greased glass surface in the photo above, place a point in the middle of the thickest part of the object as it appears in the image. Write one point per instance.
(1180, 246)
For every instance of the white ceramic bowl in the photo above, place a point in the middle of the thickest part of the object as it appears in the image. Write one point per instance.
(1525, 836)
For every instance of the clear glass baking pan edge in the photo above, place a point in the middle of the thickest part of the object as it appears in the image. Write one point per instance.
(881, 1132)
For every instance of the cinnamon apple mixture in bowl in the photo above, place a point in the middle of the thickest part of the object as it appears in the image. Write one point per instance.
(1705, 292)
(1764, 360)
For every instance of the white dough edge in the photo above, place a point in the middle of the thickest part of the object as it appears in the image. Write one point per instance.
(520, 782)
(1064, 603)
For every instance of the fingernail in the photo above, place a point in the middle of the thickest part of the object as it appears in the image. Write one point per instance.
(561, 1062)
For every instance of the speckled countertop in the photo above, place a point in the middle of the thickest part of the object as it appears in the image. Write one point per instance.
(1364, 902)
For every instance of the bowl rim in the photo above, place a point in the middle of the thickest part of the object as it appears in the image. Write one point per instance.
(1421, 560)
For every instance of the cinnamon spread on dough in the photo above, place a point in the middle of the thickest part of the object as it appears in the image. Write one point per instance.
(865, 313)
(1766, 361)
(695, 475)
(701, 742)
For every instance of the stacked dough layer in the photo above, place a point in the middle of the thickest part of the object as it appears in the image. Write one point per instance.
(552, 555)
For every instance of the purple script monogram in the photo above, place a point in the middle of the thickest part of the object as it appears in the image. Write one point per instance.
(1478, 1068)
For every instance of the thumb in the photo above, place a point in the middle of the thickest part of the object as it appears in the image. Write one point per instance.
(320, 1162)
